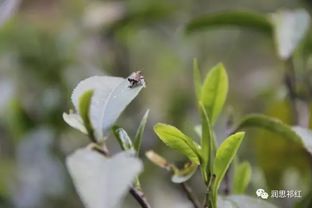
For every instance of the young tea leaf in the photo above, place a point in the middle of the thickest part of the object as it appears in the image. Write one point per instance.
(74, 120)
(179, 175)
(241, 178)
(214, 92)
(84, 109)
(225, 154)
(123, 139)
(175, 139)
(139, 134)
(184, 174)
(208, 143)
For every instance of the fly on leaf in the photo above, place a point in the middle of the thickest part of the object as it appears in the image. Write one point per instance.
(136, 79)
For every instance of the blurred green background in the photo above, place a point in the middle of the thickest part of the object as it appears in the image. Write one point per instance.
(48, 46)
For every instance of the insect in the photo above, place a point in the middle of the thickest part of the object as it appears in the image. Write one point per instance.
(136, 79)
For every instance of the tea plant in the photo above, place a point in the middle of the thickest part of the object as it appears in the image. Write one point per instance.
(102, 180)
(212, 159)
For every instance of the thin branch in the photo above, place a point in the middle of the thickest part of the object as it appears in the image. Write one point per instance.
(190, 195)
(228, 176)
(209, 201)
(140, 198)
(227, 182)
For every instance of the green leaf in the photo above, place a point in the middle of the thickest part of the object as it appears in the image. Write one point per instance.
(214, 92)
(84, 109)
(243, 201)
(179, 175)
(139, 134)
(241, 178)
(225, 154)
(271, 124)
(232, 18)
(123, 139)
(81, 120)
(208, 143)
(197, 79)
(184, 174)
(290, 27)
(175, 139)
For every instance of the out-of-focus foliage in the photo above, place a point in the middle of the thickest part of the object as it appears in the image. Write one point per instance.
(296, 134)
(7, 9)
(235, 18)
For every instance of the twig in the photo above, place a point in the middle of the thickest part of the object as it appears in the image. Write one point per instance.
(209, 201)
(227, 183)
(139, 196)
(190, 195)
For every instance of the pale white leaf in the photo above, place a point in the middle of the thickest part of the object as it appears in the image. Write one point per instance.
(113, 105)
(290, 27)
(111, 96)
(75, 121)
(306, 137)
(102, 182)
(104, 83)
(243, 201)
